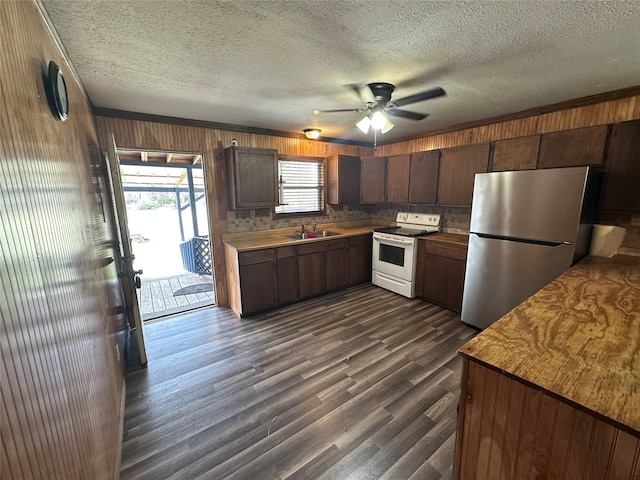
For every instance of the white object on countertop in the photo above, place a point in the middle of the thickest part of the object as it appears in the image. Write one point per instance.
(605, 240)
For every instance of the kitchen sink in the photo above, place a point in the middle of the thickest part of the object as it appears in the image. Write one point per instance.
(310, 235)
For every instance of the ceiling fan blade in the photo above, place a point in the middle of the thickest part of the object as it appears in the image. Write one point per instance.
(363, 93)
(341, 110)
(419, 97)
(406, 114)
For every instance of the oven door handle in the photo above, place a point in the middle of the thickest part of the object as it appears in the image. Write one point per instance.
(395, 240)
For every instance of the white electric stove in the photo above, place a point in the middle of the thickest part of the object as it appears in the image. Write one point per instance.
(395, 251)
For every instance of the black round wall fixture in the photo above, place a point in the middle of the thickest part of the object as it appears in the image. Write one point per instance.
(56, 89)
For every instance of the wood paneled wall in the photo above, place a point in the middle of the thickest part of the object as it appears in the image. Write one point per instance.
(597, 114)
(146, 135)
(61, 373)
(507, 431)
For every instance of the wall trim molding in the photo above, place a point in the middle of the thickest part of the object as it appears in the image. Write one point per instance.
(186, 122)
(532, 112)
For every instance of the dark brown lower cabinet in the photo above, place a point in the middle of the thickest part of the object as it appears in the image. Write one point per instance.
(337, 268)
(360, 259)
(255, 288)
(440, 273)
(287, 265)
(261, 280)
(311, 274)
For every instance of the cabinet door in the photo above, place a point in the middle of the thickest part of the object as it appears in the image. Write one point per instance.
(372, 179)
(343, 179)
(360, 259)
(337, 269)
(287, 264)
(311, 274)
(622, 168)
(442, 281)
(458, 167)
(516, 154)
(423, 177)
(573, 148)
(252, 175)
(398, 178)
(258, 287)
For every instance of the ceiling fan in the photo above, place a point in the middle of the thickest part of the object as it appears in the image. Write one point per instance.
(377, 99)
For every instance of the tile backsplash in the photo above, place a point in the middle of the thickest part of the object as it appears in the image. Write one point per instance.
(455, 220)
(262, 219)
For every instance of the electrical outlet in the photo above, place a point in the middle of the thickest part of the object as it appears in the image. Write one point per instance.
(252, 214)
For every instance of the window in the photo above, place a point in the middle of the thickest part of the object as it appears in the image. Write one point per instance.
(301, 186)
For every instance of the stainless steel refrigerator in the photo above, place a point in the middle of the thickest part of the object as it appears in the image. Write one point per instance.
(527, 228)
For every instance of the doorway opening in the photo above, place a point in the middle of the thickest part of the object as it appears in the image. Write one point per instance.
(166, 207)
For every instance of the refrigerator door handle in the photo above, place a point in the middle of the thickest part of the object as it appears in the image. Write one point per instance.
(523, 240)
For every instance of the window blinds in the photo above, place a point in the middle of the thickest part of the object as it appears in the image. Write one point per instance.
(301, 186)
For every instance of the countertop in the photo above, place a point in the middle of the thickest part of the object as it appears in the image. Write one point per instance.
(577, 338)
(248, 241)
(443, 237)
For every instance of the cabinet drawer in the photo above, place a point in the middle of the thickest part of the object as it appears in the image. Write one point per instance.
(360, 240)
(323, 246)
(448, 250)
(285, 252)
(257, 256)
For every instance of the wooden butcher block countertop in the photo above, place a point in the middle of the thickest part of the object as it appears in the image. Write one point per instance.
(577, 338)
(247, 241)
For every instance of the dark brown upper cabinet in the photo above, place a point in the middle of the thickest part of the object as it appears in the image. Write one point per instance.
(343, 179)
(373, 179)
(573, 148)
(622, 168)
(516, 154)
(252, 176)
(398, 178)
(423, 177)
(458, 167)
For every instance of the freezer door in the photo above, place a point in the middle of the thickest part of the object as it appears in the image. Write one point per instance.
(501, 274)
(535, 204)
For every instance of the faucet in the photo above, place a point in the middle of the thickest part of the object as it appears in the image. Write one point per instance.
(303, 228)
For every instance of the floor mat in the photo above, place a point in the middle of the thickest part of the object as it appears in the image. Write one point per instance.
(197, 288)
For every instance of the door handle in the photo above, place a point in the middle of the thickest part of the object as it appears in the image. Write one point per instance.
(134, 275)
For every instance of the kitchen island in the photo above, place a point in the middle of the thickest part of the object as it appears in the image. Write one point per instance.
(552, 389)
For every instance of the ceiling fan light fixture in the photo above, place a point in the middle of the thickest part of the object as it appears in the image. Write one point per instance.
(364, 124)
(387, 126)
(378, 120)
(312, 133)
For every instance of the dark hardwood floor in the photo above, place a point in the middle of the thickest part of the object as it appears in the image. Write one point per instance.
(360, 384)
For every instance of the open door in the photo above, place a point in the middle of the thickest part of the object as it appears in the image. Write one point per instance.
(129, 278)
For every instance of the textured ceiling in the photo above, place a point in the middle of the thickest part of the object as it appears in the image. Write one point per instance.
(269, 64)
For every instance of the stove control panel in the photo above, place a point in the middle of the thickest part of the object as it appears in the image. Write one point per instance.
(425, 219)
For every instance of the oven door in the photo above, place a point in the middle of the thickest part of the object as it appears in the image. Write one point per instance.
(394, 255)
